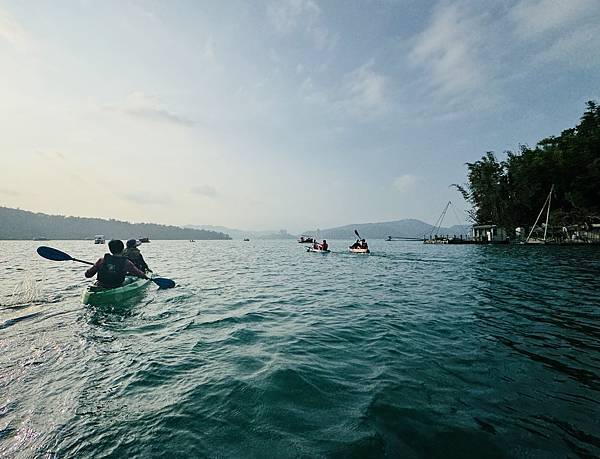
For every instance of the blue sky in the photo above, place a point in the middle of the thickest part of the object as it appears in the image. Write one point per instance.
(289, 114)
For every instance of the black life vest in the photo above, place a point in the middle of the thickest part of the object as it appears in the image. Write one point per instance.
(112, 272)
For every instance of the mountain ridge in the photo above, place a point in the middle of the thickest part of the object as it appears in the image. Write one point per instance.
(241, 234)
(18, 224)
(408, 227)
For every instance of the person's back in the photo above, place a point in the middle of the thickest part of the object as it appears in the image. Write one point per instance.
(363, 244)
(112, 272)
(324, 245)
(113, 267)
(135, 256)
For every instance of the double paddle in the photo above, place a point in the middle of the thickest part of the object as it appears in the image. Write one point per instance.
(56, 255)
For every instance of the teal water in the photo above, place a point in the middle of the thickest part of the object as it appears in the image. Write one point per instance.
(264, 350)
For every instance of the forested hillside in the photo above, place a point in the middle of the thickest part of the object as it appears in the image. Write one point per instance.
(21, 224)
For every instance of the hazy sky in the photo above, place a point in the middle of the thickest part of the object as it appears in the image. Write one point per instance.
(278, 114)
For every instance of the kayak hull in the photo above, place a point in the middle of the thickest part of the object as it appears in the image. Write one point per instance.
(134, 286)
(310, 249)
(359, 250)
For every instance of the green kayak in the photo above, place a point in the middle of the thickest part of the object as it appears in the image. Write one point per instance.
(94, 294)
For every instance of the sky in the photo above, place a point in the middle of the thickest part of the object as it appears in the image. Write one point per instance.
(292, 114)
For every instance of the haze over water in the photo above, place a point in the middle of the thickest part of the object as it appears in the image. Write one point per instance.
(264, 350)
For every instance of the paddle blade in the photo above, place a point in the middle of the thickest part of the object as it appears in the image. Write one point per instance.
(163, 282)
(53, 254)
(357, 235)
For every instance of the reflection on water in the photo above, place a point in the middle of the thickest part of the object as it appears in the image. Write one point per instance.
(266, 350)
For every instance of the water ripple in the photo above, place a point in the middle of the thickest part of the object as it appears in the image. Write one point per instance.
(264, 350)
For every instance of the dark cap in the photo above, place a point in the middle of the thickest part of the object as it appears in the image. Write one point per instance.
(115, 246)
(133, 243)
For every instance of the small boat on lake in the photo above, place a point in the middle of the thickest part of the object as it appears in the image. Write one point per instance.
(360, 246)
(306, 240)
(99, 239)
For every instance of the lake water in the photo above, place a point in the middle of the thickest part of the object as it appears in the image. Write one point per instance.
(264, 350)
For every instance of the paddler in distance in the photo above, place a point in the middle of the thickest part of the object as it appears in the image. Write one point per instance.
(135, 256)
(324, 245)
(113, 267)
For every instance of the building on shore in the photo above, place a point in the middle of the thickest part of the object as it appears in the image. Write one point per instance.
(489, 234)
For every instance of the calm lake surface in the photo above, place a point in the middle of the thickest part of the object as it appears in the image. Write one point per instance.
(264, 350)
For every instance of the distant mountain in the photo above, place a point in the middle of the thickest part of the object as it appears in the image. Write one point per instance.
(399, 228)
(241, 234)
(21, 224)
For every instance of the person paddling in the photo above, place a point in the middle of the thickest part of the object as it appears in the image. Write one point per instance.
(135, 256)
(324, 245)
(113, 267)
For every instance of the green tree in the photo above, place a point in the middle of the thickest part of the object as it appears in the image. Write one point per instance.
(510, 193)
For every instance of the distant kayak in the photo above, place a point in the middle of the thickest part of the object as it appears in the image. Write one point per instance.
(94, 294)
(359, 250)
(310, 249)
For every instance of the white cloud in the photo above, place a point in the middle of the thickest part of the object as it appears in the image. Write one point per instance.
(209, 49)
(290, 16)
(8, 192)
(362, 93)
(52, 155)
(405, 182)
(205, 190)
(140, 105)
(13, 33)
(534, 17)
(577, 47)
(447, 50)
(366, 91)
(145, 198)
(564, 31)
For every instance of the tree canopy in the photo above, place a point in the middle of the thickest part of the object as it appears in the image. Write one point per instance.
(511, 192)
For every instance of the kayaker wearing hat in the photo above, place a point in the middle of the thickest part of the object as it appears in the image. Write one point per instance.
(135, 256)
(113, 267)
